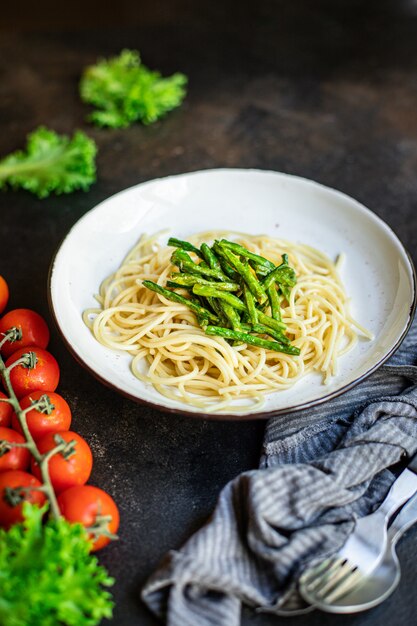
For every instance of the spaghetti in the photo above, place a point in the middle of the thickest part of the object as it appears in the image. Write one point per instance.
(183, 363)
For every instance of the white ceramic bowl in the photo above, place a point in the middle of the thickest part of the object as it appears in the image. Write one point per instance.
(378, 273)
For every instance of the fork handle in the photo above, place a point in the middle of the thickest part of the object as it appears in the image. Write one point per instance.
(406, 518)
(402, 489)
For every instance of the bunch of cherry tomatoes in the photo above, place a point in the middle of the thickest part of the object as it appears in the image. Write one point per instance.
(69, 473)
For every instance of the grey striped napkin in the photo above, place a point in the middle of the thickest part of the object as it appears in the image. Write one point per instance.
(320, 469)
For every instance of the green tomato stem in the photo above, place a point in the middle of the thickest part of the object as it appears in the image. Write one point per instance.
(101, 527)
(5, 445)
(28, 360)
(46, 457)
(42, 460)
(12, 335)
(43, 405)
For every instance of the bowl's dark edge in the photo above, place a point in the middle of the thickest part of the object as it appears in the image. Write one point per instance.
(230, 416)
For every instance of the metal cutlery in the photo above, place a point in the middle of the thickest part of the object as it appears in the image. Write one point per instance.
(326, 582)
(379, 584)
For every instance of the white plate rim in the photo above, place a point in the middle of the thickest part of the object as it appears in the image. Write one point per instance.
(249, 415)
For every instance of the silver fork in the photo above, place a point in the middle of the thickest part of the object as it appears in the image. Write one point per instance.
(381, 582)
(334, 577)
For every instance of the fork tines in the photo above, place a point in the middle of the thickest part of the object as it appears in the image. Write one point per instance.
(329, 580)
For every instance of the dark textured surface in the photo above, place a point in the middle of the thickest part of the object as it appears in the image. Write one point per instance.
(326, 90)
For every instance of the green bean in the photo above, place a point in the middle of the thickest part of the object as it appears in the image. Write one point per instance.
(210, 292)
(262, 307)
(266, 320)
(261, 329)
(218, 309)
(245, 272)
(225, 267)
(275, 302)
(210, 258)
(175, 297)
(188, 280)
(184, 245)
(261, 270)
(173, 285)
(277, 335)
(184, 262)
(231, 315)
(230, 272)
(235, 335)
(250, 305)
(282, 275)
(241, 251)
(202, 321)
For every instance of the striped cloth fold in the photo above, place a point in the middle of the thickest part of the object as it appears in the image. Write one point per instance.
(320, 470)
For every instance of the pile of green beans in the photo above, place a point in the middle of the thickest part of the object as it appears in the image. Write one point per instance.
(229, 289)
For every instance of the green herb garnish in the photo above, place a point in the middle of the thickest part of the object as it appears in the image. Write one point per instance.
(51, 163)
(124, 91)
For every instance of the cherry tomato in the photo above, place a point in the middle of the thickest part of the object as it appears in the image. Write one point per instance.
(34, 330)
(16, 458)
(84, 504)
(4, 294)
(66, 470)
(5, 411)
(44, 376)
(39, 422)
(12, 514)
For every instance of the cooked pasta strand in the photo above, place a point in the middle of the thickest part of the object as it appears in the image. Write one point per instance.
(173, 353)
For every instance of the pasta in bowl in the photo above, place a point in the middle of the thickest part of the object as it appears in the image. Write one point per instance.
(312, 224)
(216, 367)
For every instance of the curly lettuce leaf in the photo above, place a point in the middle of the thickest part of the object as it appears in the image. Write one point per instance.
(51, 163)
(48, 576)
(124, 91)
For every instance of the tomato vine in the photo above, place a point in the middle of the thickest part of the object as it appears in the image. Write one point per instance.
(29, 360)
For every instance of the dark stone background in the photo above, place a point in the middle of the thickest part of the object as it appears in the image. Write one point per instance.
(326, 90)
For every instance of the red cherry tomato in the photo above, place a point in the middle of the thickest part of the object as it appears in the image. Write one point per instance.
(15, 479)
(15, 458)
(4, 294)
(39, 422)
(44, 376)
(34, 330)
(69, 470)
(5, 411)
(84, 504)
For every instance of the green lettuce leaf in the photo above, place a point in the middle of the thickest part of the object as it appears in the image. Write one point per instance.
(51, 163)
(124, 91)
(48, 577)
